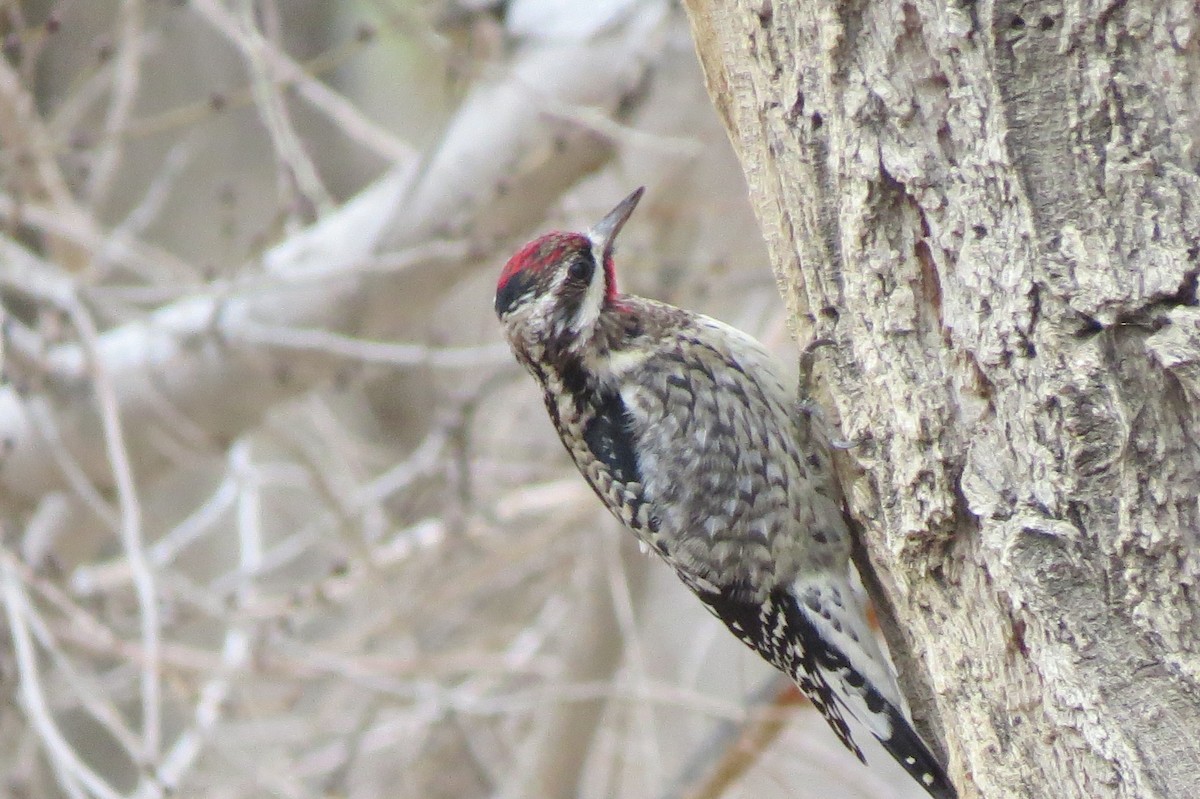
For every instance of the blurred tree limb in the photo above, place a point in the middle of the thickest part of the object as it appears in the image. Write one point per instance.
(500, 164)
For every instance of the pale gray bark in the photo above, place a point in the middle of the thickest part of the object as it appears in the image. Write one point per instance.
(992, 210)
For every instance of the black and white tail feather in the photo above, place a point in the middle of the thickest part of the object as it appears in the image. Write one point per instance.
(813, 631)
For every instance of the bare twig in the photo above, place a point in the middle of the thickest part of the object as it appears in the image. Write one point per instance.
(71, 771)
(298, 171)
(96, 578)
(282, 70)
(86, 689)
(734, 749)
(80, 231)
(142, 215)
(22, 130)
(129, 521)
(389, 353)
(235, 650)
(130, 512)
(126, 75)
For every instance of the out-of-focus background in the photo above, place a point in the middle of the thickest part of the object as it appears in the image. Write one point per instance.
(281, 516)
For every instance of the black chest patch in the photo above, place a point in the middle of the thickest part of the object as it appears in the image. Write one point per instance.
(598, 432)
(607, 435)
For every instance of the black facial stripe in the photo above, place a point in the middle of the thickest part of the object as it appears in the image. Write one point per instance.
(513, 289)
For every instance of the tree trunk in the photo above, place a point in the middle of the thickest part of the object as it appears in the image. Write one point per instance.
(993, 211)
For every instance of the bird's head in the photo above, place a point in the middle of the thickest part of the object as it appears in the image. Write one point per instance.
(557, 286)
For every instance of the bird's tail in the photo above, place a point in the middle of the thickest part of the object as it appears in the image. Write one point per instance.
(814, 630)
(853, 673)
(911, 752)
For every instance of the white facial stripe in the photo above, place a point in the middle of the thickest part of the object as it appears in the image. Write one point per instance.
(593, 300)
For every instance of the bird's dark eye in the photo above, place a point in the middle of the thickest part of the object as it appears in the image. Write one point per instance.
(581, 269)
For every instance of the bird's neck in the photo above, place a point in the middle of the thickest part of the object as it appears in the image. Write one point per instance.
(591, 357)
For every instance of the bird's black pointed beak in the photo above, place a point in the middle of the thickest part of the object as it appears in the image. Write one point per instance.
(604, 232)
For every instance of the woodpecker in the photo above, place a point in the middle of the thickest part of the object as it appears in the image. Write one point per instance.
(683, 427)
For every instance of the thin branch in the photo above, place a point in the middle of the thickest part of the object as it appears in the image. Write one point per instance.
(86, 689)
(23, 131)
(126, 79)
(32, 694)
(130, 512)
(99, 578)
(129, 517)
(44, 423)
(735, 748)
(282, 70)
(142, 215)
(298, 172)
(380, 352)
(235, 651)
(80, 231)
(622, 594)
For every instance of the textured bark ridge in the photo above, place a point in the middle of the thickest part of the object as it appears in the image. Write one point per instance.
(993, 210)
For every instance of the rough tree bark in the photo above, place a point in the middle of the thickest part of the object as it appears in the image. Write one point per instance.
(992, 209)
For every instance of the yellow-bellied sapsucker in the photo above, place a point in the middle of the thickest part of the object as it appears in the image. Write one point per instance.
(686, 431)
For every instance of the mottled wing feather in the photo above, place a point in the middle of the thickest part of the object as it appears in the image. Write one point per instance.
(721, 462)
